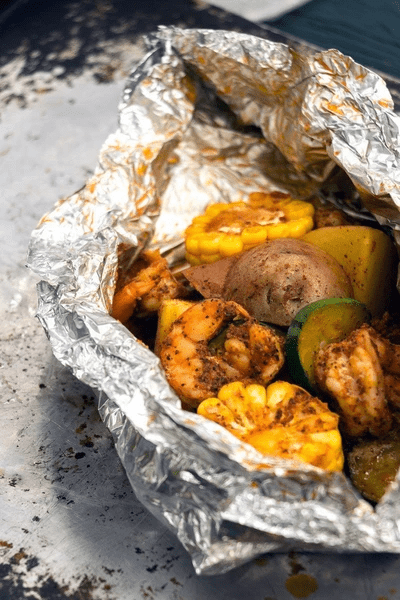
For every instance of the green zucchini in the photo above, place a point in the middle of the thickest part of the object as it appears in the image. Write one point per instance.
(319, 323)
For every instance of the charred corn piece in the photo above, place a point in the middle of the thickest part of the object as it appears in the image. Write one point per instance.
(236, 408)
(281, 420)
(227, 229)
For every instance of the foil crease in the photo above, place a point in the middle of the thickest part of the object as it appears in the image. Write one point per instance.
(213, 116)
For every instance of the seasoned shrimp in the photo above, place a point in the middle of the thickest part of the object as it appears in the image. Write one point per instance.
(325, 216)
(351, 372)
(389, 358)
(215, 342)
(151, 284)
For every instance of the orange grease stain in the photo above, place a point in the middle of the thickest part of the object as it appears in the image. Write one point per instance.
(147, 153)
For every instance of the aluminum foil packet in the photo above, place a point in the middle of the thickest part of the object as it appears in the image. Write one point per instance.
(213, 116)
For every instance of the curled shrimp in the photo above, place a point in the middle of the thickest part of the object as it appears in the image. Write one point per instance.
(148, 287)
(215, 342)
(351, 372)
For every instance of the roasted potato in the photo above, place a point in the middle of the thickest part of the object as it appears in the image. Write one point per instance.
(367, 255)
(275, 280)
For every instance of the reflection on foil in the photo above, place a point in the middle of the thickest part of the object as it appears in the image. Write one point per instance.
(213, 116)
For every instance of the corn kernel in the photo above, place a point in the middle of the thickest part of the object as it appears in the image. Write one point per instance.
(230, 245)
(235, 388)
(208, 243)
(192, 259)
(214, 209)
(215, 410)
(208, 258)
(201, 220)
(278, 392)
(192, 244)
(254, 235)
(302, 226)
(256, 395)
(297, 209)
(194, 229)
(279, 230)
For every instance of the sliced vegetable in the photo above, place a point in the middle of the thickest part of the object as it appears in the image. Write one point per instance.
(227, 229)
(374, 464)
(319, 323)
(367, 255)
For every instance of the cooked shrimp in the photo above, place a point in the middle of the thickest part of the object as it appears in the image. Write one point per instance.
(392, 388)
(329, 216)
(215, 342)
(147, 289)
(351, 372)
(389, 358)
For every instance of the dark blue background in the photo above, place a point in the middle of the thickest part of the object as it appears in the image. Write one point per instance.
(366, 30)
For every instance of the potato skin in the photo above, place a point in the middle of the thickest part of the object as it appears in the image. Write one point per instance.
(274, 280)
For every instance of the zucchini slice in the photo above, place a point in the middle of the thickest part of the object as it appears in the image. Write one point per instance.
(319, 323)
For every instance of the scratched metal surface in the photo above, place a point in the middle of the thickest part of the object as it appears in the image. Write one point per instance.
(70, 525)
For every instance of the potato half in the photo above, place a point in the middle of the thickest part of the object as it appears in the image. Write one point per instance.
(275, 280)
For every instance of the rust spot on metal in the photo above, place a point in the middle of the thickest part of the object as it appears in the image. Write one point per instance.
(301, 585)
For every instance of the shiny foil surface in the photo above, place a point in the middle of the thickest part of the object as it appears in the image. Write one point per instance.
(212, 116)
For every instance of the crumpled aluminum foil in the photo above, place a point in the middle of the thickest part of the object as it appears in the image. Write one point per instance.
(212, 116)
